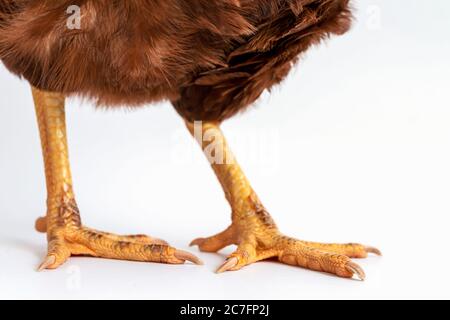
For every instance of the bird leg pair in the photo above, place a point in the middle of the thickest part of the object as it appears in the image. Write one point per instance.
(254, 231)
(252, 228)
(65, 233)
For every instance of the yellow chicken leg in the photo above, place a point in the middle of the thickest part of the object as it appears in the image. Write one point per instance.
(254, 231)
(65, 233)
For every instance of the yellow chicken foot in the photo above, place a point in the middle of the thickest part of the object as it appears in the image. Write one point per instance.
(65, 234)
(253, 229)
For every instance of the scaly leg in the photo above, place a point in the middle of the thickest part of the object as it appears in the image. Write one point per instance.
(252, 228)
(65, 233)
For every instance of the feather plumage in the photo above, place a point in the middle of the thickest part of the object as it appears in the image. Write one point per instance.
(210, 58)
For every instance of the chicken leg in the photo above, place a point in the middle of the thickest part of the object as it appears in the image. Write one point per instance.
(253, 229)
(65, 233)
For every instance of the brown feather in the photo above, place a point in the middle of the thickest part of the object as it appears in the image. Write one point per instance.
(211, 58)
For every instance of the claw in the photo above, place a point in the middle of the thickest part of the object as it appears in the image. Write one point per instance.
(356, 269)
(186, 256)
(228, 265)
(49, 261)
(196, 242)
(373, 250)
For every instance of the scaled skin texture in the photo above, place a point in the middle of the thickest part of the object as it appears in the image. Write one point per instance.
(211, 59)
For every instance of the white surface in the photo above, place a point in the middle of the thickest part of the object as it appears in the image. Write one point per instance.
(354, 146)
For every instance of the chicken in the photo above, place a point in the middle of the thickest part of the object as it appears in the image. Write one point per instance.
(211, 59)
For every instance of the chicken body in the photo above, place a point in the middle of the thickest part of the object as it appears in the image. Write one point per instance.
(210, 58)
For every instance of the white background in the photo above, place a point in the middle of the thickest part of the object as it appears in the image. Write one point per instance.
(354, 146)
